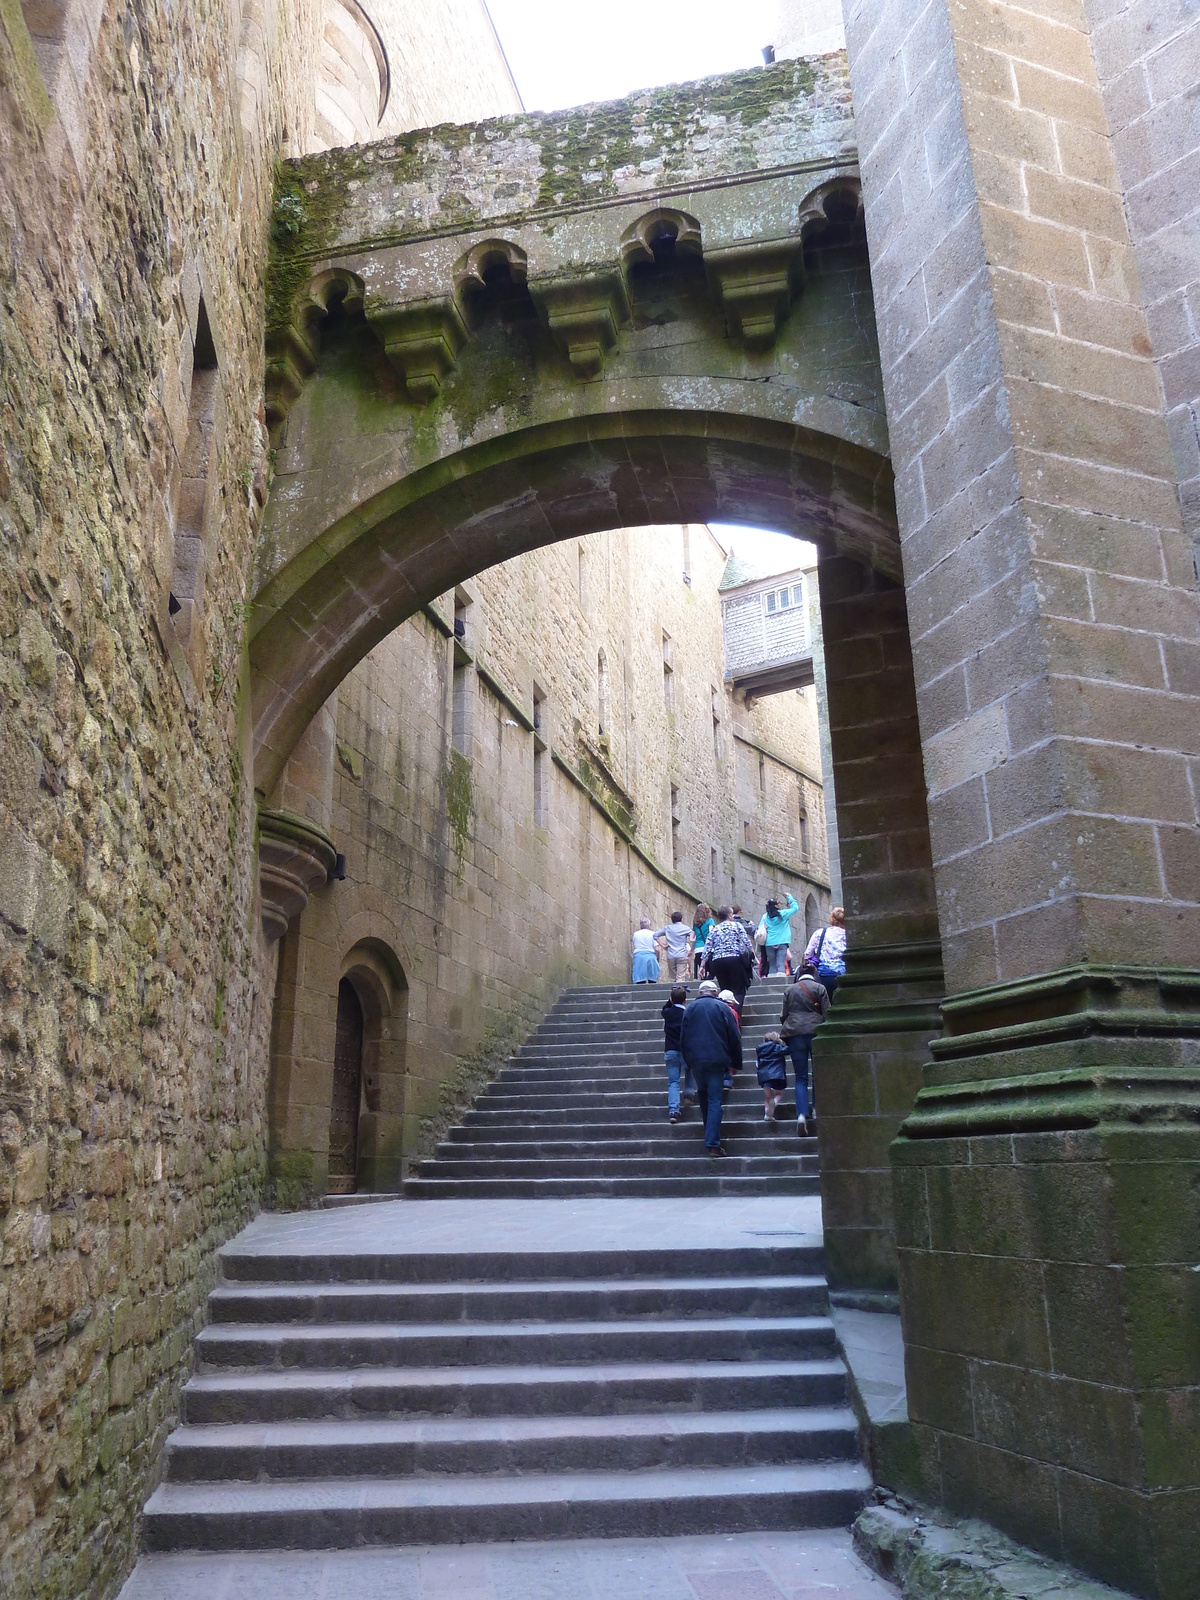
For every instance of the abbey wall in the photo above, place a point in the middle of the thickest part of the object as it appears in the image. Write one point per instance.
(510, 803)
(137, 157)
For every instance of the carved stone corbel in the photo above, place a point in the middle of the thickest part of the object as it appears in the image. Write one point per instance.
(422, 341)
(293, 345)
(294, 859)
(756, 283)
(583, 313)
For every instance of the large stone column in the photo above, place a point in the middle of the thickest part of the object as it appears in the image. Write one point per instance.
(869, 1054)
(1048, 1181)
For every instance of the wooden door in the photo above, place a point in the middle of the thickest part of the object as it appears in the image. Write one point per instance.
(347, 1089)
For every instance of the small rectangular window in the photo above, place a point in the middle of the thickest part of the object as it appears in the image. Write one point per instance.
(668, 673)
(676, 829)
(771, 602)
(762, 773)
(798, 595)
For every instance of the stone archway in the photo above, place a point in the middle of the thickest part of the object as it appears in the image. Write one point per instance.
(472, 353)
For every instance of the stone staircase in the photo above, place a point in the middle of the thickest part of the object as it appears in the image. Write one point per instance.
(396, 1399)
(401, 1374)
(581, 1108)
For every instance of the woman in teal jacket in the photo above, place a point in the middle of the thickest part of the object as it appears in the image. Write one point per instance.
(778, 926)
(702, 923)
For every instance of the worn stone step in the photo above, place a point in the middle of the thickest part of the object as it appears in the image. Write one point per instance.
(567, 1343)
(680, 1164)
(597, 1389)
(401, 1447)
(333, 1512)
(712, 1182)
(550, 1301)
(648, 1129)
(601, 1099)
(248, 1265)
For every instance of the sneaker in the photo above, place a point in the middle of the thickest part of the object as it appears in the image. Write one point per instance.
(802, 1127)
(674, 1117)
(768, 1113)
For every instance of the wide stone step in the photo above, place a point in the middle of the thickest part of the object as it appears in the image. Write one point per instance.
(329, 1513)
(647, 1129)
(603, 1100)
(402, 1447)
(620, 1265)
(682, 1164)
(598, 1389)
(639, 1121)
(349, 1345)
(714, 1182)
(553, 1301)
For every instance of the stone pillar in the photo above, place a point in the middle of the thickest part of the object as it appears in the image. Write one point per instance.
(868, 1057)
(1048, 1181)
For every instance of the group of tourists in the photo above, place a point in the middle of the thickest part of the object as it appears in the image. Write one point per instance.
(731, 950)
(703, 1038)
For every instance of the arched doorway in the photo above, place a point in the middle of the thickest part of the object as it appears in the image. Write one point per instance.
(812, 917)
(347, 1091)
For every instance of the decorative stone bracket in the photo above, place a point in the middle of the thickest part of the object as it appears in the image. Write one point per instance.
(756, 284)
(422, 340)
(294, 859)
(583, 314)
(583, 307)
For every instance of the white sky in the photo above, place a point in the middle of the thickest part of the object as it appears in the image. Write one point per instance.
(779, 549)
(565, 53)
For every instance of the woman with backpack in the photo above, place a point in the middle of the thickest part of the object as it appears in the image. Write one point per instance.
(826, 952)
(805, 1004)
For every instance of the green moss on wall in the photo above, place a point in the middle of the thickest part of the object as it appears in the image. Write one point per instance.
(459, 800)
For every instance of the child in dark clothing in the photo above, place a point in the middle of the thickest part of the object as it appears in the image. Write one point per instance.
(672, 1015)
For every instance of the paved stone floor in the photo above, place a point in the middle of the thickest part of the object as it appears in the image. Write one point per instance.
(752, 1566)
(458, 1226)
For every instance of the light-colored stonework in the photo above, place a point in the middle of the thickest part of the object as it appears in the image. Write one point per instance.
(623, 801)
(1011, 639)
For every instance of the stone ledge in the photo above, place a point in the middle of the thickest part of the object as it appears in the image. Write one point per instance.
(931, 1555)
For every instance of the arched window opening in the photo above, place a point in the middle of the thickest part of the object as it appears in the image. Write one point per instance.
(802, 825)
(197, 509)
(812, 917)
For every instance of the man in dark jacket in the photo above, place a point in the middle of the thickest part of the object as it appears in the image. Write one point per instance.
(712, 1047)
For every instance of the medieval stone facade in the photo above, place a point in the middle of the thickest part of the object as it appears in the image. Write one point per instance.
(929, 304)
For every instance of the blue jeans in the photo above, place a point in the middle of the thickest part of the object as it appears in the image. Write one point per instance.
(829, 978)
(777, 958)
(674, 1073)
(800, 1049)
(710, 1080)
